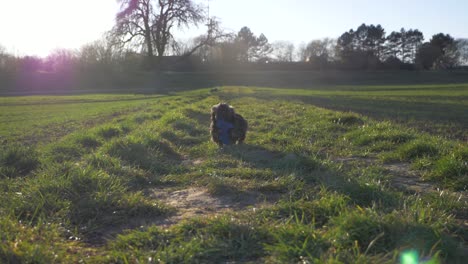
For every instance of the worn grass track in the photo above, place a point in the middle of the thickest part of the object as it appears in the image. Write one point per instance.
(146, 185)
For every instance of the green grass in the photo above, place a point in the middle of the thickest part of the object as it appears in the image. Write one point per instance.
(39, 119)
(310, 184)
(438, 109)
(17, 160)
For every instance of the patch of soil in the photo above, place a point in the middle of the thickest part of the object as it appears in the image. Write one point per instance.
(366, 160)
(197, 201)
(406, 178)
(188, 203)
(188, 162)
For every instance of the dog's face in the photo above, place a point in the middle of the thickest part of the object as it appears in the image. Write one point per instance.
(223, 111)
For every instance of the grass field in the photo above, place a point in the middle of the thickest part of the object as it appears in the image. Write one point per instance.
(346, 174)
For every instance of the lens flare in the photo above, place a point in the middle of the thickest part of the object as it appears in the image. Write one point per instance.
(409, 257)
(412, 257)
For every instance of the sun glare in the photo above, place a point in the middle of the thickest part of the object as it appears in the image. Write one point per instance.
(50, 24)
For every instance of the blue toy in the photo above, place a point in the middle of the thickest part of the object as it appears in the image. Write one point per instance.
(224, 128)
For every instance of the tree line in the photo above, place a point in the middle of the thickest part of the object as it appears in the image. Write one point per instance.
(143, 38)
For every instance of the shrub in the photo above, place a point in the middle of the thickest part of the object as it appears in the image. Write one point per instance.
(316, 212)
(418, 149)
(131, 151)
(64, 151)
(17, 161)
(108, 132)
(88, 141)
(453, 169)
(379, 132)
(348, 119)
(296, 243)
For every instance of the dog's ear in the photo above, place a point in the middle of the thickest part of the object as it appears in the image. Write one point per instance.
(232, 113)
(213, 112)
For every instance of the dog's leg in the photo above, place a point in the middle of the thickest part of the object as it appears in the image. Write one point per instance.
(241, 129)
(213, 129)
(215, 134)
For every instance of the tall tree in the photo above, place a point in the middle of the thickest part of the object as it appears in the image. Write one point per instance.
(441, 52)
(151, 22)
(393, 45)
(172, 13)
(412, 40)
(371, 39)
(245, 40)
(134, 24)
(447, 48)
(251, 47)
(262, 49)
(362, 48)
(404, 44)
(427, 55)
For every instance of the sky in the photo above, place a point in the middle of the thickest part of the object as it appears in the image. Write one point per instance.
(37, 27)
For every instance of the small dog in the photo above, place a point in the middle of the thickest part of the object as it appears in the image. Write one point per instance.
(227, 127)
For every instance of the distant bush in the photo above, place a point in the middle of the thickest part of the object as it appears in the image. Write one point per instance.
(296, 244)
(17, 161)
(316, 212)
(376, 233)
(109, 132)
(453, 169)
(141, 118)
(385, 131)
(418, 149)
(64, 152)
(88, 141)
(133, 152)
(347, 120)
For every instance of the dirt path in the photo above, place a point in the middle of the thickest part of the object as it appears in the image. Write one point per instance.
(188, 203)
(402, 176)
(406, 179)
(198, 202)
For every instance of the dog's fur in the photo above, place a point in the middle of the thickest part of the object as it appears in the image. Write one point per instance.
(227, 113)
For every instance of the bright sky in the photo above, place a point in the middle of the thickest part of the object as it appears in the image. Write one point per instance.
(36, 27)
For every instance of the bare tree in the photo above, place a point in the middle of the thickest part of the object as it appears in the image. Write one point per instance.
(283, 51)
(133, 24)
(61, 60)
(179, 13)
(301, 52)
(150, 22)
(99, 54)
(214, 35)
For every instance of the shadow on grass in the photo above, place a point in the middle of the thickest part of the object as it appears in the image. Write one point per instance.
(313, 172)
